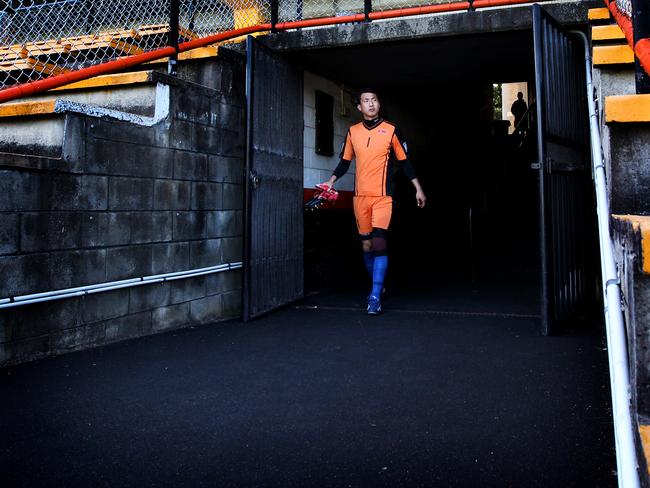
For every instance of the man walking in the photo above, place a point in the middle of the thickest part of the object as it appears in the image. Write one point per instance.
(376, 145)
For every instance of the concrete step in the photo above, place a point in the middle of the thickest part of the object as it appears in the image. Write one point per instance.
(596, 15)
(620, 54)
(610, 32)
(37, 125)
(627, 108)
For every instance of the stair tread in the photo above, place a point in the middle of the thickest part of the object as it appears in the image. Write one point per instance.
(627, 108)
(606, 32)
(611, 55)
(598, 13)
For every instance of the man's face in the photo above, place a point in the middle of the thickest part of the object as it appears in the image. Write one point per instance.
(368, 105)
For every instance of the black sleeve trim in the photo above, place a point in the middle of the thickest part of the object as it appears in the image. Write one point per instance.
(342, 168)
(408, 169)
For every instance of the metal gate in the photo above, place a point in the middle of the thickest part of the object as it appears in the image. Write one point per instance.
(273, 250)
(566, 198)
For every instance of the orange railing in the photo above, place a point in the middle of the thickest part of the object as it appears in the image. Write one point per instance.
(641, 47)
(124, 63)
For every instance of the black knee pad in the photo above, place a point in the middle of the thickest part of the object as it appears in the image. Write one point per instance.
(379, 243)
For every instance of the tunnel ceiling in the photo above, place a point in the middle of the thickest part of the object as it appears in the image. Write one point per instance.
(497, 57)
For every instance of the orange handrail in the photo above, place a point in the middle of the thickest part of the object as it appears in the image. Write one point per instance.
(31, 88)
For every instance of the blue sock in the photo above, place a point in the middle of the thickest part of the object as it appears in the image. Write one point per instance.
(369, 260)
(378, 275)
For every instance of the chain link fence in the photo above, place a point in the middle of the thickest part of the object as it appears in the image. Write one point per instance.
(42, 38)
(49, 37)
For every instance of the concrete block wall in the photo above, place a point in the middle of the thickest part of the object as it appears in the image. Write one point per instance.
(319, 168)
(125, 201)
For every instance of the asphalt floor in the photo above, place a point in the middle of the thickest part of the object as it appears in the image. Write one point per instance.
(451, 386)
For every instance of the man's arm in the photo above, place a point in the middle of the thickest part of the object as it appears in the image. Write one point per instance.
(400, 153)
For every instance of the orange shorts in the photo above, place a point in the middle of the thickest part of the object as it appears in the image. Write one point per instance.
(372, 212)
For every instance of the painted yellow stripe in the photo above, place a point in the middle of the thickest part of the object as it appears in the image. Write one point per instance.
(644, 431)
(198, 53)
(613, 55)
(627, 108)
(598, 14)
(108, 80)
(27, 108)
(641, 224)
(606, 32)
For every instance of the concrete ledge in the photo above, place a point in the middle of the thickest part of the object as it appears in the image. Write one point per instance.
(598, 14)
(108, 80)
(627, 108)
(607, 33)
(609, 55)
(640, 224)
(27, 108)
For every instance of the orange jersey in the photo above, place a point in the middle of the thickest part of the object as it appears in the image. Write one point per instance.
(372, 147)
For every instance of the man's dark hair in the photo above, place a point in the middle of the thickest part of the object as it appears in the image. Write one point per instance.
(367, 89)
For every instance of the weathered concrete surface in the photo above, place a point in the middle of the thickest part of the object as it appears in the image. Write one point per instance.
(120, 201)
(421, 27)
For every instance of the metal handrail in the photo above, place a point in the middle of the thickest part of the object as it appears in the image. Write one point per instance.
(626, 457)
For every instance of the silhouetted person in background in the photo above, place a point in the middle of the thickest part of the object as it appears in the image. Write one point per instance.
(518, 109)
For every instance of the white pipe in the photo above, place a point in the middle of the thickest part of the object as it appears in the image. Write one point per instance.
(113, 285)
(626, 460)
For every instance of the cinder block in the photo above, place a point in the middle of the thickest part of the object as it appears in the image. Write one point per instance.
(183, 135)
(21, 191)
(135, 325)
(232, 143)
(171, 195)
(74, 142)
(232, 304)
(190, 166)
(42, 318)
(147, 297)
(72, 192)
(130, 194)
(6, 326)
(232, 249)
(225, 223)
(187, 289)
(206, 310)
(128, 262)
(151, 227)
(121, 131)
(9, 233)
(233, 197)
(126, 159)
(209, 140)
(105, 305)
(78, 337)
(224, 282)
(23, 275)
(206, 196)
(77, 268)
(49, 231)
(171, 317)
(105, 229)
(170, 257)
(226, 169)
(205, 253)
(189, 225)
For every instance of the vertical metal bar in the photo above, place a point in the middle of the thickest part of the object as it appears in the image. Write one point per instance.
(275, 5)
(172, 40)
(641, 30)
(538, 35)
(246, 282)
(367, 8)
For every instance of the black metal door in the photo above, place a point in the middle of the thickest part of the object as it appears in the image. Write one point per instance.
(273, 254)
(565, 192)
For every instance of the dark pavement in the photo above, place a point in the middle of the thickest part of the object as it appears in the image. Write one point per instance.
(449, 387)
